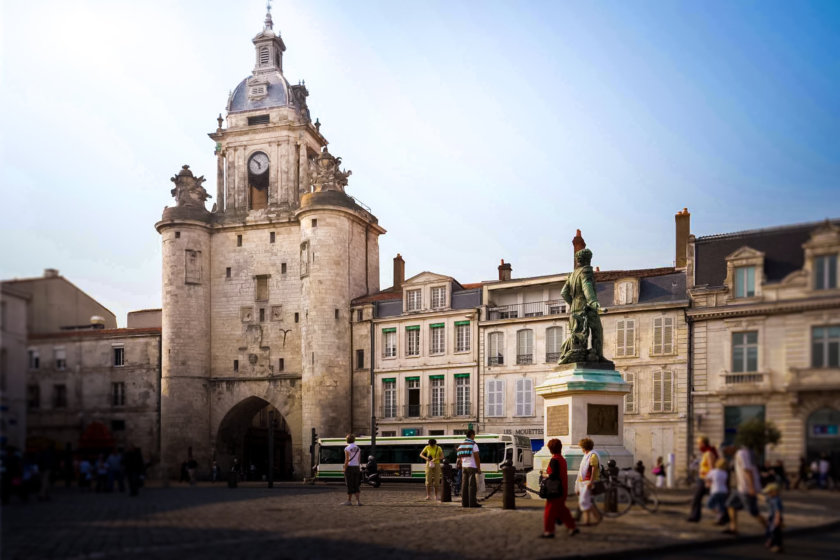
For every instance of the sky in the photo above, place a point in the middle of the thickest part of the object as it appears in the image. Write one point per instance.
(476, 131)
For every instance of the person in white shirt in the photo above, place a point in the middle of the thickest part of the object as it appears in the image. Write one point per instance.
(748, 484)
(716, 482)
(352, 470)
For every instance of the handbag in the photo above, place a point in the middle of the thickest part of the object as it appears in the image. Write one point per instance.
(551, 489)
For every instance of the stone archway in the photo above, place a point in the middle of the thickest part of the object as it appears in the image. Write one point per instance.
(243, 435)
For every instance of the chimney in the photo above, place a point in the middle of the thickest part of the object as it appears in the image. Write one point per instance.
(683, 223)
(578, 243)
(399, 272)
(505, 271)
(50, 273)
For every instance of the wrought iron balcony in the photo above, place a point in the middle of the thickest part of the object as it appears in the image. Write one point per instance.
(498, 360)
(411, 411)
(388, 411)
(551, 357)
(533, 309)
(524, 359)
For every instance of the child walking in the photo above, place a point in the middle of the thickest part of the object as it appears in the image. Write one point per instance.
(774, 517)
(716, 481)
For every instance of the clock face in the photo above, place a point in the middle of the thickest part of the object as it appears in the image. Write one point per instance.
(258, 164)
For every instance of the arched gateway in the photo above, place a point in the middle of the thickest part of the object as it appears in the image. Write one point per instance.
(253, 433)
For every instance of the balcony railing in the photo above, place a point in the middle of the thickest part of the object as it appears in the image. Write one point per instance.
(533, 309)
(411, 411)
(741, 378)
(498, 360)
(552, 357)
(388, 411)
(438, 410)
(524, 359)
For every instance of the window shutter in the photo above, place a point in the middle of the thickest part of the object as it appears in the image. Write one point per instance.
(657, 335)
(657, 391)
(630, 338)
(619, 339)
(528, 397)
(629, 399)
(490, 397)
(520, 397)
(667, 383)
(668, 334)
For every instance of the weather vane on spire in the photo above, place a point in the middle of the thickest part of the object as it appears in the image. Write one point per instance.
(268, 23)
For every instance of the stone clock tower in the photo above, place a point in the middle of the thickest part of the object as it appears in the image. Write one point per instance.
(256, 292)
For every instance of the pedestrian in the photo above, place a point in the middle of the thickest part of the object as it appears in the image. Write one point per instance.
(774, 517)
(46, 465)
(555, 503)
(192, 468)
(659, 472)
(823, 466)
(708, 458)
(432, 454)
(588, 475)
(781, 474)
(470, 464)
(802, 474)
(717, 482)
(114, 462)
(85, 474)
(134, 468)
(747, 486)
(101, 473)
(352, 471)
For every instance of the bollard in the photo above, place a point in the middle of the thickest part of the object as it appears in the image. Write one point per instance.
(446, 474)
(508, 499)
(611, 500)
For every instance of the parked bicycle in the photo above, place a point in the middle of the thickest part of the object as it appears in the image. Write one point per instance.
(623, 488)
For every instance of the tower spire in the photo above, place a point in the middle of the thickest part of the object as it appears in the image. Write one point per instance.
(269, 24)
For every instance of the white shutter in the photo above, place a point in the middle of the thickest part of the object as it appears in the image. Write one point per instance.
(520, 397)
(667, 387)
(528, 397)
(668, 335)
(619, 338)
(495, 397)
(657, 391)
(630, 338)
(657, 335)
(630, 398)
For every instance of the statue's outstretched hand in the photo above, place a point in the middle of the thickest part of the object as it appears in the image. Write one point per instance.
(594, 306)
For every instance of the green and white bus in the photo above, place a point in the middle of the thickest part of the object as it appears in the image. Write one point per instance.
(398, 458)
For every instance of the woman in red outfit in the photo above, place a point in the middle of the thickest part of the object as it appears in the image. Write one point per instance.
(555, 508)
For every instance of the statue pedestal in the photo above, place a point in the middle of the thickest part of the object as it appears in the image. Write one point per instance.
(583, 400)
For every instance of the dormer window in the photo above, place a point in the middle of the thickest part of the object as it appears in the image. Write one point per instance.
(413, 300)
(625, 292)
(825, 272)
(439, 297)
(744, 281)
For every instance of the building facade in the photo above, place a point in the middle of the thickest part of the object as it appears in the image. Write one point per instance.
(765, 335)
(13, 331)
(257, 291)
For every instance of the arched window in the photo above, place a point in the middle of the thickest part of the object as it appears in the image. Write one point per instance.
(495, 349)
(525, 347)
(553, 342)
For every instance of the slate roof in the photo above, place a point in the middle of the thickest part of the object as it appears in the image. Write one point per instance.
(782, 248)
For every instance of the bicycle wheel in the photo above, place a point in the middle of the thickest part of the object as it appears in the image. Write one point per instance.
(615, 502)
(650, 500)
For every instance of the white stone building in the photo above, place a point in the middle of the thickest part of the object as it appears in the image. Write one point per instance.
(765, 336)
(13, 330)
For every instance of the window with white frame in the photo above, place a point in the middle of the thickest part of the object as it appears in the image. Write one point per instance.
(462, 394)
(60, 358)
(389, 343)
(525, 347)
(825, 347)
(744, 281)
(524, 397)
(495, 349)
(495, 397)
(118, 394)
(825, 272)
(462, 336)
(412, 341)
(745, 352)
(389, 398)
(625, 342)
(34, 358)
(413, 300)
(119, 356)
(437, 339)
(630, 398)
(625, 293)
(439, 297)
(553, 342)
(663, 335)
(663, 387)
(438, 402)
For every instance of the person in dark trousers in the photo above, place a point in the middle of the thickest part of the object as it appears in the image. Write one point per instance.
(708, 458)
(470, 464)
(134, 468)
(555, 506)
(774, 517)
(802, 474)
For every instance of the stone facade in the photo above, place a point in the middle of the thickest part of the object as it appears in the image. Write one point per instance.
(13, 332)
(257, 291)
(765, 333)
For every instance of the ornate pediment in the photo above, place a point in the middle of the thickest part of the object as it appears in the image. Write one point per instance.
(426, 278)
(325, 173)
(745, 253)
(188, 190)
(827, 235)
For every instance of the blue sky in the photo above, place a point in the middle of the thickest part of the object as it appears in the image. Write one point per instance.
(475, 130)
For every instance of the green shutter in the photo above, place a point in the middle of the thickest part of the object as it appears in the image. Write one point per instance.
(437, 376)
(392, 329)
(437, 325)
(461, 323)
(389, 380)
(462, 375)
(413, 378)
(413, 328)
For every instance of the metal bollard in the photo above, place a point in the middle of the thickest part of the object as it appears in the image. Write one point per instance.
(446, 472)
(508, 499)
(611, 500)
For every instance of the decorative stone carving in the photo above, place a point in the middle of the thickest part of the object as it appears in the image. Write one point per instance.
(325, 173)
(188, 190)
(299, 94)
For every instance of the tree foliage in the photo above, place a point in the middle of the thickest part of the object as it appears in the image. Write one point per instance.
(756, 434)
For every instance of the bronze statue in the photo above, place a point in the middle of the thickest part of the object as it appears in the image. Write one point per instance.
(579, 293)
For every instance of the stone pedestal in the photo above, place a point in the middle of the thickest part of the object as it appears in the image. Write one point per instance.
(583, 400)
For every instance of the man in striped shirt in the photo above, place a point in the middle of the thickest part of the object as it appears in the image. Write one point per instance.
(470, 469)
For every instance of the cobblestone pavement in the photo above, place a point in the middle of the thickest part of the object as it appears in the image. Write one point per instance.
(297, 521)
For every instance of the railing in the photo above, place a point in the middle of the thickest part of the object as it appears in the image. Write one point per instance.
(388, 411)
(411, 411)
(740, 378)
(533, 309)
(436, 410)
(498, 360)
(552, 357)
(524, 359)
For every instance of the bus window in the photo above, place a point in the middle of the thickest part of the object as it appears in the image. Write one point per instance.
(491, 452)
(331, 455)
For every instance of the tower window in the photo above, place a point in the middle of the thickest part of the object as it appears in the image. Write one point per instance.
(262, 315)
(227, 272)
(264, 56)
(282, 268)
(235, 365)
(297, 317)
(271, 237)
(262, 290)
(239, 241)
(177, 235)
(314, 222)
(259, 119)
(281, 364)
(336, 313)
